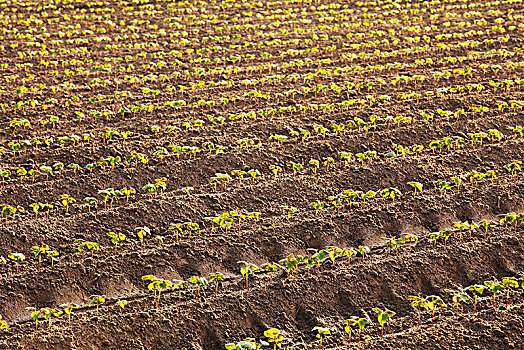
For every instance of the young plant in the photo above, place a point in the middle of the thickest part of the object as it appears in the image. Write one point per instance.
(254, 215)
(327, 162)
(35, 314)
(86, 245)
(315, 163)
(318, 206)
(410, 238)
(271, 268)
(433, 302)
(477, 291)
(198, 281)
(68, 310)
(350, 322)
(333, 253)
(417, 187)
(49, 313)
(192, 226)
(508, 218)
(254, 173)
(295, 166)
(349, 253)
(97, 299)
(17, 258)
(321, 332)
(513, 168)
(52, 254)
(128, 192)
(141, 233)
(383, 317)
(495, 287)
(487, 224)
(273, 336)
(39, 251)
(157, 285)
(178, 229)
(457, 296)
(419, 304)
(90, 201)
(246, 269)
(115, 238)
(289, 263)
(362, 323)
(289, 210)
(508, 283)
(275, 169)
(363, 250)
(3, 324)
(216, 278)
(122, 304)
(317, 257)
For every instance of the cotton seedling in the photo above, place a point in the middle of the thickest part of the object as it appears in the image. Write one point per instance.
(39, 251)
(363, 250)
(142, 232)
(348, 253)
(317, 257)
(487, 224)
(275, 169)
(333, 253)
(49, 313)
(513, 168)
(289, 263)
(273, 336)
(457, 297)
(192, 226)
(383, 317)
(350, 322)
(495, 287)
(253, 173)
(315, 163)
(122, 304)
(3, 324)
(419, 304)
(477, 291)
(198, 281)
(246, 269)
(157, 285)
(17, 258)
(508, 283)
(296, 167)
(433, 302)
(216, 277)
(178, 228)
(90, 201)
(457, 180)
(410, 238)
(461, 226)
(254, 215)
(83, 246)
(35, 315)
(321, 332)
(289, 210)
(68, 310)
(115, 238)
(97, 299)
(417, 186)
(507, 219)
(128, 192)
(367, 195)
(271, 268)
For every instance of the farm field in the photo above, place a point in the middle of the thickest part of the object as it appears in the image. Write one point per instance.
(261, 174)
